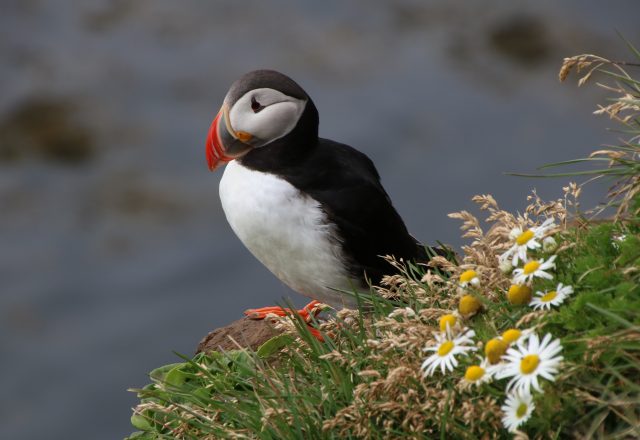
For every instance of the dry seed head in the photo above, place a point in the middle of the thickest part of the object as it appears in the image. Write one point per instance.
(270, 413)
(431, 279)
(369, 373)
(566, 67)
(529, 317)
(585, 78)
(406, 313)
(580, 62)
(430, 314)
(442, 263)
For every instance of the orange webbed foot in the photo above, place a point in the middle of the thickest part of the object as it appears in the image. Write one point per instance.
(311, 309)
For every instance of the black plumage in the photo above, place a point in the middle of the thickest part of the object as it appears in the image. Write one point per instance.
(344, 181)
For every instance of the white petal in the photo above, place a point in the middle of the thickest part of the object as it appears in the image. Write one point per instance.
(545, 341)
(553, 349)
(522, 253)
(543, 274)
(547, 375)
(426, 363)
(443, 367)
(535, 383)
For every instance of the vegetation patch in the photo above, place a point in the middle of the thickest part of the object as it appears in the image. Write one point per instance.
(533, 331)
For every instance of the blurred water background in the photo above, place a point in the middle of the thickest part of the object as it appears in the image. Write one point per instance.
(114, 250)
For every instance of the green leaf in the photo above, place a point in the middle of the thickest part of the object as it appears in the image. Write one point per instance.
(631, 47)
(573, 161)
(141, 422)
(613, 316)
(159, 373)
(176, 377)
(139, 435)
(609, 171)
(273, 345)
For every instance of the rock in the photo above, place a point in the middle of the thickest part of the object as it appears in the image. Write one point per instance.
(522, 39)
(248, 333)
(47, 127)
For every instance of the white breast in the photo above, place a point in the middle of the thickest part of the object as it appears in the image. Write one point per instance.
(287, 231)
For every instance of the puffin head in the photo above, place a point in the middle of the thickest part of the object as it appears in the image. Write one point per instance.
(260, 108)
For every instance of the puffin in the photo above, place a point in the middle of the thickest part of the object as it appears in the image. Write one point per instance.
(312, 210)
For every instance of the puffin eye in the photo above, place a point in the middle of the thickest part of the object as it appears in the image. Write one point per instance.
(255, 105)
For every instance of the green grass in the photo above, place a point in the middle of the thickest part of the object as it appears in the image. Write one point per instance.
(365, 380)
(291, 393)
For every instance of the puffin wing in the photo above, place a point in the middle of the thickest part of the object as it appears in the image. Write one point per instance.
(347, 185)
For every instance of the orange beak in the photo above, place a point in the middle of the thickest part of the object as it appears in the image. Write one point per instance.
(223, 143)
(215, 152)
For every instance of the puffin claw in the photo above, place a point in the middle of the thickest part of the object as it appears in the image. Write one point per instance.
(311, 309)
(261, 313)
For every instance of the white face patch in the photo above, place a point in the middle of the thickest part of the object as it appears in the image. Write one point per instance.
(277, 115)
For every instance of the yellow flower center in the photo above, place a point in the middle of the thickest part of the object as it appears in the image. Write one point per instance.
(468, 304)
(467, 276)
(522, 410)
(529, 363)
(524, 237)
(494, 350)
(519, 294)
(549, 296)
(447, 319)
(531, 267)
(512, 335)
(474, 373)
(445, 348)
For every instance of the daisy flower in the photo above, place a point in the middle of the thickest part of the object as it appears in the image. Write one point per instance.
(534, 268)
(616, 240)
(476, 375)
(469, 305)
(494, 370)
(513, 335)
(446, 350)
(527, 239)
(549, 244)
(447, 322)
(504, 264)
(469, 277)
(517, 409)
(495, 349)
(519, 294)
(544, 300)
(526, 362)
(481, 372)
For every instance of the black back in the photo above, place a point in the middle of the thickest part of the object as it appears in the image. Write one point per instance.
(343, 180)
(347, 185)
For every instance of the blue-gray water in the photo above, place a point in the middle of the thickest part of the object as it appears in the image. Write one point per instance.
(116, 253)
